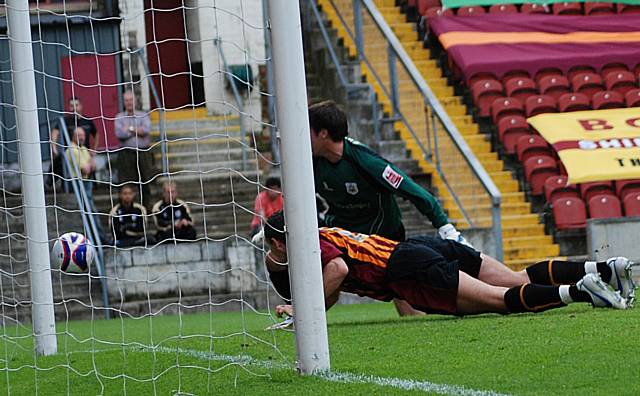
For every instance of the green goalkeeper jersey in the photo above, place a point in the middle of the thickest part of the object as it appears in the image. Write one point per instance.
(359, 190)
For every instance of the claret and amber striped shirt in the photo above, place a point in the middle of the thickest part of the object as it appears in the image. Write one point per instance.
(366, 256)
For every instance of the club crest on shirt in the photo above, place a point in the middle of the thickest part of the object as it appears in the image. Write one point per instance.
(392, 177)
(352, 188)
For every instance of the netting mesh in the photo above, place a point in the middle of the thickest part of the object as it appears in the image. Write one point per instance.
(156, 139)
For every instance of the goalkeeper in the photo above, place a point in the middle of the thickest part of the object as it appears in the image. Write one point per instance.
(358, 185)
(446, 277)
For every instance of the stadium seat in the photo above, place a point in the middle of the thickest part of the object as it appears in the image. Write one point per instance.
(435, 12)
(579, 69)
(599, 8)
(628, 9)
(548, 71)
(537, 170)
(424, 5)
(625, 187)
(604, 207)
(520, 88)
(531, 146)
(510, 129)
(587, 83)
(514, 74)
(567, 8)
(481, 76)
(607, 100)
(632, 98)
(470, 11)
(614, 67)
(588, 190)
(503, 8)
(569, 213)
(622, 82)
(631, 203)
(556, 187)
(538, 104)
(554, 86)
(503, 107)
(573, 102)
(484, 93)
(529, 8)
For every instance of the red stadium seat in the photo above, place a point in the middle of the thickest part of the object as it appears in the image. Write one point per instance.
(520, 88)
(569, 213)
(529, 8)
(503, 107)
(628, 9)
(514, 74)
(531, 146)
(622, 82)
(554, 86)
(573, 102)
(470, 11)
(503, 8)
(632, 98)
(484, 93)
(510, 129)
(556, 187)
(481, 76)
(604, 207)
(588, 190)
(424, 5)
(567, 8)
(612, 68)
(607, 100)
(538, 104)
(587, 83)
(435, 12)
(537, 170)
(547, 71)
(631, 203)
(599, 8)
(579, 69)
(625, 187)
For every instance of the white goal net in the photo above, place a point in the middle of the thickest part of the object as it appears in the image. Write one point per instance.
(156, 127)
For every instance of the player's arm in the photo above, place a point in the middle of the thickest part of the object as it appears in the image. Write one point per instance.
(333, 274)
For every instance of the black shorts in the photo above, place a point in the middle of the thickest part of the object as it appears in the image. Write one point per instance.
(424, 272)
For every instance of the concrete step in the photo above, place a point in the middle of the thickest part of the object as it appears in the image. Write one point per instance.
(526, 252)
(534, 240)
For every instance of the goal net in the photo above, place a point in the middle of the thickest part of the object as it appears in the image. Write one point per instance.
(156, 128)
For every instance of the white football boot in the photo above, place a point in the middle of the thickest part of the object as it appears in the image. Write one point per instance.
(621, 279)
(601, 294)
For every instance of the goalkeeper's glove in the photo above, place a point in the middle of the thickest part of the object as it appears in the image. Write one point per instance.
(448, 231)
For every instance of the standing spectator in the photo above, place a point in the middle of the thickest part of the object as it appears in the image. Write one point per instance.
(268, 202)
(359, 186)
(73, 119)
(135, 160)
(127, 219)
(172, 216)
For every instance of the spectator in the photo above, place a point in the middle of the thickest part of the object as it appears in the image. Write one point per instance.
(172, 216)
(73, 119)
(127, 219)
(268, 202)
(81, 159)
(135, 160)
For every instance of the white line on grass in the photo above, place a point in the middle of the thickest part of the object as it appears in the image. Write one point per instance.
(333, 376)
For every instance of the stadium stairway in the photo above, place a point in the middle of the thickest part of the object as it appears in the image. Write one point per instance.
(524, 238)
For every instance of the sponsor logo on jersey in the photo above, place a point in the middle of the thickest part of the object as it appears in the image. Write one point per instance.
(392, 177)
(352, 188)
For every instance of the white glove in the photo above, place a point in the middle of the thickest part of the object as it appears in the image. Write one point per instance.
(258, 239)
(448, 231)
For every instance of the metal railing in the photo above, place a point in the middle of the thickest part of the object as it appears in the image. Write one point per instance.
(422, 117)
(87, 210)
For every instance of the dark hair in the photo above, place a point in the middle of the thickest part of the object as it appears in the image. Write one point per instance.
(273, 182)
(130, 187)
(274, 227)
(74, 98)
(328, 115)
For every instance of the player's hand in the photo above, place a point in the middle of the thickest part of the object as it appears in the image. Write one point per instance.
(284, 309)
(448, 231)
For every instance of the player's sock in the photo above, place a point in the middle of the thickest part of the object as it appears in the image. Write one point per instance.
(570, 293)
(533, 298)
(557, 272)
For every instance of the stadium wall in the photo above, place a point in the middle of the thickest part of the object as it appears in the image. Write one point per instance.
(613, 237)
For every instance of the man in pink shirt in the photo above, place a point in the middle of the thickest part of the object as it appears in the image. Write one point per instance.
(268, 202)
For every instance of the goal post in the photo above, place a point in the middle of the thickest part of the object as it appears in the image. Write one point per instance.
(298, 187)
(26, 108)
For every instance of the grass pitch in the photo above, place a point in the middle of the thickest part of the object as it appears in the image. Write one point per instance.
(571, 351)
